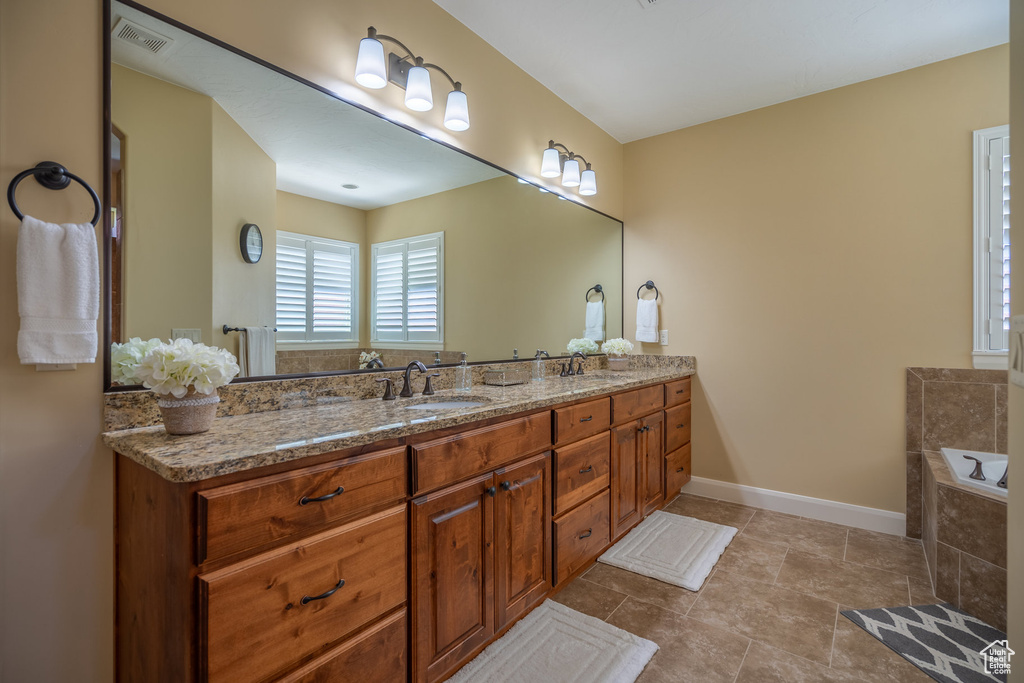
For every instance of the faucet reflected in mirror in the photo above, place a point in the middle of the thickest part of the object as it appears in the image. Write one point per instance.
(311, 169)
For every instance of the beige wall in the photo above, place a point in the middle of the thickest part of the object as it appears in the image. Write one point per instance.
(244, 191)
(513, 278)
(56, 573)
(169, 203)
(808, 253)
(1015, 547)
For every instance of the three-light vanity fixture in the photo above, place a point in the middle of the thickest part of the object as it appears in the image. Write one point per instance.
(409, 72)
(565, 163)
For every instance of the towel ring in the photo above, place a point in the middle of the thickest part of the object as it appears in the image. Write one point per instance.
(52, 176)
(596, 288)
(649, 285)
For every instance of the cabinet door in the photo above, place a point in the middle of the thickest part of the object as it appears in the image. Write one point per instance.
(626, 502)
(453, 576)
(522, 538)
(651, 446)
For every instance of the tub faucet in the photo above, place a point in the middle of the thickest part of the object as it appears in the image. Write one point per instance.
(375, 363)
(406, 391)
(977, 473)
(1002, 482)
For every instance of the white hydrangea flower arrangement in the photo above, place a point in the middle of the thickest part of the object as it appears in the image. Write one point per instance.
(125, 359)
(175, 367)
(586, 346)
(365, 358)
(617, 347)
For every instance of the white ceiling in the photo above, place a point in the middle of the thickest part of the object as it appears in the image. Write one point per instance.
(318, 142)
(637, 72)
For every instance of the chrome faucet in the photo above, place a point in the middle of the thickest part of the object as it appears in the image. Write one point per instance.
(1002, 482)
(406, 391)
(578, 370)
(375, 363)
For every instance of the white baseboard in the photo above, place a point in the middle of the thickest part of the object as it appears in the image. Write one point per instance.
(858, 516)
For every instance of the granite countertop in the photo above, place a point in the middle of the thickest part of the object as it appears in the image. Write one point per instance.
(242, 442)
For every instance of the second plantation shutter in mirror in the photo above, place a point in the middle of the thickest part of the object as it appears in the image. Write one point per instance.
(407, 298)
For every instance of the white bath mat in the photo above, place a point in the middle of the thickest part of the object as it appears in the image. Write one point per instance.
(671, 548)
(555, 643)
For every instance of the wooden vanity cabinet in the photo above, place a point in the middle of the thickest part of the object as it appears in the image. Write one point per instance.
(637, 457)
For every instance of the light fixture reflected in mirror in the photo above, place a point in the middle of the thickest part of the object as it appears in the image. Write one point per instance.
(410, 72)
(566, 163)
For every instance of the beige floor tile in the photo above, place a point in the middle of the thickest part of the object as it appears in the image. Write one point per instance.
(589, 598)
(641, 587)
(842, 582)
(884, 551)
(766, 664)
(716, 511)
(819, 538)
(799, 624)
(863, 657)
(921, 592)
(753, 558)
(690, 650)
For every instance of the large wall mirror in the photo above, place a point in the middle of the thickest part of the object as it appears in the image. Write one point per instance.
(370, 236)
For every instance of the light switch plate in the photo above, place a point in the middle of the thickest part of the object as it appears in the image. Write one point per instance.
(664, 337)
(195, 335)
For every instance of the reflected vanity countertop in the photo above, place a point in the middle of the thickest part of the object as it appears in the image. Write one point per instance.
(243, 442)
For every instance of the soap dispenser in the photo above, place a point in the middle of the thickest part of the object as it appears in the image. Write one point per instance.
(463, 376)
(539, 371)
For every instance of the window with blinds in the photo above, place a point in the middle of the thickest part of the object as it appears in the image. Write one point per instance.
(407, 289)
(317, 289)
(992, 246)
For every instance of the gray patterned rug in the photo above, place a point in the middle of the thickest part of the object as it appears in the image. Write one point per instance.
(947, 644)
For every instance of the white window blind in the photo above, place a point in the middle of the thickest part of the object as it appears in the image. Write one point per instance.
(407, 282)
(992, 243)
(317, 288)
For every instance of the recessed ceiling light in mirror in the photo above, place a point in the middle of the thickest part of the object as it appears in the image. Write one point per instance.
(350, 186)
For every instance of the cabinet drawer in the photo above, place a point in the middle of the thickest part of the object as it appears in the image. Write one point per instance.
(253, 513)
(252, 619)
(634, 404)
(677, 470)
(581, 470)
(677, 392)
(582, 420)
(677, 427)
(453, 458)
(377, 655)
(581, 535)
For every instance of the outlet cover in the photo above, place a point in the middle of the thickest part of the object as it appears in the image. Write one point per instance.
(664, 337)
(195, 335)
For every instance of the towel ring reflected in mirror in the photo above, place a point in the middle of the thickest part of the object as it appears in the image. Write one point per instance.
(649, 285)
(596, 288)
(52, 176)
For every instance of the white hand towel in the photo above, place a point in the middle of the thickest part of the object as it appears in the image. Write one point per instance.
(58, 272)
(595, 321)
(647, 320)
(257, 352)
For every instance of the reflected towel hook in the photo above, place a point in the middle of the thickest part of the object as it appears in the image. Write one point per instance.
(52, 176)
(596, 288)
(649, 285)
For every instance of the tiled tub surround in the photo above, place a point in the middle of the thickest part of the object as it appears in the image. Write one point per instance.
(296, 361)
(950, 408)
(965, 543)
(332, 413)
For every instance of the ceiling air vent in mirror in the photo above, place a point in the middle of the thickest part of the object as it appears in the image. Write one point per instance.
(131, 32)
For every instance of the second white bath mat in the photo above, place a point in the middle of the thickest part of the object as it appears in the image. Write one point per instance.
(671, 548)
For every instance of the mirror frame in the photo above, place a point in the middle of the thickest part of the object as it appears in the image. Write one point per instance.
(107, 302)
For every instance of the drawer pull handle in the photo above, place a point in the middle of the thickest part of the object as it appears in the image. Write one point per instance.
(306, 500)
(587, 419)
(680, 469)
(682, 426)
(590, 468)
(587, 534)
(307, 599)
(681, 391)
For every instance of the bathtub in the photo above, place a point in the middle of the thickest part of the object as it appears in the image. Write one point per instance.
(992, 465)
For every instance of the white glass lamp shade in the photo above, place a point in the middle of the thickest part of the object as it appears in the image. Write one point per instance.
(549, 166)
(417, 90)
(588, 183)
(371, 68)
(456, 112)
(571, 173)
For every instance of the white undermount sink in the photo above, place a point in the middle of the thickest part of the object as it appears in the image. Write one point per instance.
(445, 405)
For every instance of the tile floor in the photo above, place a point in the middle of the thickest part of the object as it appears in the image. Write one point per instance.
(770, 610)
